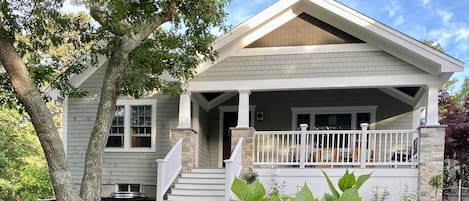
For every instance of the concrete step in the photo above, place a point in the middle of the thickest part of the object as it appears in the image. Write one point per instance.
(203, 175)
(200, 186)
(200, 181)
(195, 198)
(208, 170)
(198, 192)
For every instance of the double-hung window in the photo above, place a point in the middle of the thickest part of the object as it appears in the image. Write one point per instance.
(133, 127)
(333, 118)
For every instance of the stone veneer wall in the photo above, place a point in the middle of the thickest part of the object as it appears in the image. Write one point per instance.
(431, 157)
(248, 145)
(189, 144)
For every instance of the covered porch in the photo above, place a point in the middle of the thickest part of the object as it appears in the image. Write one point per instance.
(333, 136)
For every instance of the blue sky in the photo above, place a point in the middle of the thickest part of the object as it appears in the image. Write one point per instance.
(442, 21)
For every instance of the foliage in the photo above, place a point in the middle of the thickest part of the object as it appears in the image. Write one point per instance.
(457, 119)
(406, 195)
(380, 193)
(348, 184)
(23, 170)
(250, 176)
(52, 45)
(434, 45)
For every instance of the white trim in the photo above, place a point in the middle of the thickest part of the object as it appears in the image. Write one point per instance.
(306, 49)
(208, 105)
(222, 110)
(353, 110)
(317, 83)
(65, 125)
(127, 103)
(399, 95)
(77, 80)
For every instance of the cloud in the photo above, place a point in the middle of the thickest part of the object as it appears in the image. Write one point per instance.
(392, 8)
(462, 34)
(424, 2)
(445, 15)
(399, 20)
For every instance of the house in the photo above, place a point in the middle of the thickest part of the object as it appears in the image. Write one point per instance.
(302, 86)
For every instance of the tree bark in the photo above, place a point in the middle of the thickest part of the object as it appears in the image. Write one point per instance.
(30, 97)
(91, 183)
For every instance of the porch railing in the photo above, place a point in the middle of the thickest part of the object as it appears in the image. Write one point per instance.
(233, 167)
(329, 148)
(168, 169)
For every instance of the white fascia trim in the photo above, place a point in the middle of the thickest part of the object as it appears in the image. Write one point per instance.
(317, 83)
(307, 49)
(448, 63)
(253, 22)
(132, 102)
(253, 33)
(65, 124)
(77, 80)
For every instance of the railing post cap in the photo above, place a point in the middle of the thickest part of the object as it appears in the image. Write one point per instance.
(304, 125)
(364, 125)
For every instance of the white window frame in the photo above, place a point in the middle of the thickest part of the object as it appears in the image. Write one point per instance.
(127, 138)
(353, 110)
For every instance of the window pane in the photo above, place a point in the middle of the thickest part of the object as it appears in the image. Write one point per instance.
(362, 118)
(134, 188)
(116, 132)
(333, 121)
(122, 187)
(140, 127)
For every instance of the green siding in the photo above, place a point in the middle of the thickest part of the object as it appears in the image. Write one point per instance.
(118, 167)
(338, 64)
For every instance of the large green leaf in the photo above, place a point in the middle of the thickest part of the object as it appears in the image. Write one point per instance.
(350, 195)
(305, 194)
(361, 179)
(240, 189)
(257, 190)
(347, 181)
(331, 186)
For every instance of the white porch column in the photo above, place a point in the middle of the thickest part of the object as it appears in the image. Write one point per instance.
(432, 106)
(243, 109)
(184, 111)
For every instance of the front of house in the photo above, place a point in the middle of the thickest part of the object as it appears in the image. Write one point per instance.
(302, 86)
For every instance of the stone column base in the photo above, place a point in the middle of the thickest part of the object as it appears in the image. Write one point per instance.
(248, 145)
(431, 159)
(189, 147)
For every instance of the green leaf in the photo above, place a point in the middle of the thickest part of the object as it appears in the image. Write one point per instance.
(240, 189)
(331, 186)
(257, 190)
(350, 195)
(361, 179)
(327, 197)
(347, 181)
(304, 194)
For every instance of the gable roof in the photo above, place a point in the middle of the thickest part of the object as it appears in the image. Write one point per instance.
(346, 19)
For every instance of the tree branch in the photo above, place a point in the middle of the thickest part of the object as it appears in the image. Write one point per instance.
(117, 28)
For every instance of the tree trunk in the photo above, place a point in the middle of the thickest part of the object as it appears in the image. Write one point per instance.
(30, 97)
(91, 183)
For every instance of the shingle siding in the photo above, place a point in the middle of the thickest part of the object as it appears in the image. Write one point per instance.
(118, 167)
(307, 66)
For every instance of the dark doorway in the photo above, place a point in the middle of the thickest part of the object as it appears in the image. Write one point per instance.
(230, 119)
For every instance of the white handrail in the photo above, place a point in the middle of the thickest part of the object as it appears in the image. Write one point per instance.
(168, 169)
(328, 148)
(233, 167)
